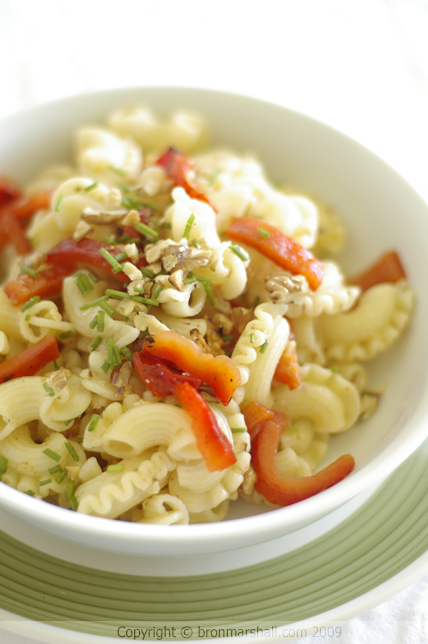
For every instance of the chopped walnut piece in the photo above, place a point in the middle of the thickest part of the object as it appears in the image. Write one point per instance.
(58, 379)
(120, 376)
(247, 486)
(241, 317)
(284, 285)
(82, 229)
(214, 339)
(131, 218)
(103, 217)
(73, 471)
(153, 252)
(199, 339)
(177, 256)
(177, 280)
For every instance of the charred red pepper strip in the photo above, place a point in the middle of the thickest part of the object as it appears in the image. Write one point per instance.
(219, 372)
(27, 207)
(211, 441)
(9, 191)
(179, 170)
(47, 284)
(158, 377)
(285, 491)
(287, 371)
(13, 232)
(387, 269)
(70, 252)
(31, 360)
(256, 415)
(278, 247)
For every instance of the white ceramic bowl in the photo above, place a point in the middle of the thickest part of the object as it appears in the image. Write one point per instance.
(381, 212)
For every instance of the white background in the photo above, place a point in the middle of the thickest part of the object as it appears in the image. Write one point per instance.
(358, 65)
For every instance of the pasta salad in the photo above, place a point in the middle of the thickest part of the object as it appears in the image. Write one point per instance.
(173, 331)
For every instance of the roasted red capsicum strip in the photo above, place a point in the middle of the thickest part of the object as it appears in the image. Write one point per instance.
(160, 379)
(70, 252)
(278, 489)
(25, 208)
(14, 233)
(278, 247)
(219, 372)
(256, 415)
(180, 171)
(287, 371)
(387, 269)
(31, 360)
(48, 283)
(211, 441)
(9, 191)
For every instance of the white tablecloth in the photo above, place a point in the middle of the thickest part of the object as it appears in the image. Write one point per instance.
(360, 66)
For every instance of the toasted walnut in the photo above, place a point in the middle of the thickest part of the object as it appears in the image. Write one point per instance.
(120, 376)
(214, 339)
(247, 486)
(177, 256)
(103, 217)
(131, 218)
(82, 229)
(199, 339)
(222, 323)
(58, 380)
(282, 286)
(177, 280)
(241, 317)
(153, 252)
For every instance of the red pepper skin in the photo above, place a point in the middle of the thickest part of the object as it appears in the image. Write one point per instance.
(160, 379)
(31, 360)
(256, 415)
(286, 491)
(387, 269)
(278, 247)
(25, 208)
(212, 443)
(179, 170)
(9, 191)
(219, 372)
(14, 233)
(47, 284)
(287, 371)
(70, 252)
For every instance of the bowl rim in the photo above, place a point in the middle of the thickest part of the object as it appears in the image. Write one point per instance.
(224, 532)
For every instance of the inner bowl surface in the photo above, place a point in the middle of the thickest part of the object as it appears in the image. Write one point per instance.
(381, 212)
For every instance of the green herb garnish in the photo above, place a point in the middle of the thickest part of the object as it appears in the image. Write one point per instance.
(55, 469)
(127, 353)
(59, 479)
(66, 336)
(263, 233)
(56, 457)
(118, 171)
(70, 489)
(83, 284)
(189, 224)
(238, 430)
(59, 203)
(239, 252)
(45, 482)
(72, 451)
(93, 423)
(117, 467)
(30, 303)
(48, 389)
(96, 343)
(91, 187)
(264, 347)
(29, 271)
(146, 230)
(3, 465)
(116, 267)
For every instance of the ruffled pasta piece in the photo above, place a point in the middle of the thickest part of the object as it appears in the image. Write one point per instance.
(330, 298)
(227, 271)
(97, 381)
(210, 516)
(186, 303)
(326, 399)
(112, 493)
(381, 315)
(183, 130)
(50, 179)
(100, 151)
(27, 458)
(247, 353)
(182, 326)
(122, 333)
(331, 232)
(43, 319)
(10, 317)
(162, 509)
(204, 225)
(309, 347)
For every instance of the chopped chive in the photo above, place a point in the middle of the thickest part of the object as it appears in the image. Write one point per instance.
(46, 482)
(113, 168)
(56, 365)
(27, 317)
(131, 204)
(73, 503)
(48, 389)
(72, 451)
(117, 467)
(55, 469)
(79, 439)
(93, 277)
(93, 303)
(3, 465)
(227, 338)
(294, 428)
(195, 243)
(146, 230)
(213, 177)
(263, 233)
(91, 187)
(62, 476)
(205, 280)
(110, 239)
(58, 204)
(30, 492)
(124, 239)
(96, 343)
(29, 271)
(134, 240)
(165, 224)
(127, 353)
(191, 280)
(105, 366)
(145, 300)
(56, 457)
(107, 308)
(66, 336)
(112, 358)
(68, 422)
(120, 295)
(121, 256)
(70, 489)
(256, 302)
(145, 271)
(117, 357)
(240, 253)
(264, 347)
(100, 324)
(208, 291)
(93, 423)
(252, 338)
(189, 225)
(158, 291)
(111, 260)
(30, 303)
(93, 323)
(335, 369)
(238, 430)
(83, 284)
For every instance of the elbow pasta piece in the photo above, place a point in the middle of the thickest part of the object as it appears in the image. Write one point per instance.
(326, 399)
(308, 345)
(43, 319)
(162, 509)
(10, 317)
(186, 303)
(377, 321)
(204, 225)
